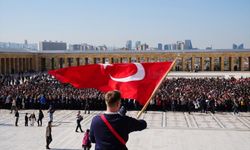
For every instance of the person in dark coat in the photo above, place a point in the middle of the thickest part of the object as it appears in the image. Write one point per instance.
(26, 119)
(17, 117)
(48, 135)
(40, 118)
(123, 125)
(78, 121)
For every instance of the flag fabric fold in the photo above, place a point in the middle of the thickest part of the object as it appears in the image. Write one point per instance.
(133, 80)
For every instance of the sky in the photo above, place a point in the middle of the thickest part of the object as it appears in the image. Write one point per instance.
(216, 23)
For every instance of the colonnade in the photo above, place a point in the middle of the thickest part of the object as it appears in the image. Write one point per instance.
(19, 62)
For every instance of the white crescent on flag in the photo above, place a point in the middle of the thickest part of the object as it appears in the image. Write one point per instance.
(139, 75)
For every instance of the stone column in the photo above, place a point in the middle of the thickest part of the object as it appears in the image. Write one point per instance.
(222, 63)
(192, 63)
(212, 63)
(48, 63)
(26, 64)
(231, 63)
(201, 63)
(74, 63)
(183, 67)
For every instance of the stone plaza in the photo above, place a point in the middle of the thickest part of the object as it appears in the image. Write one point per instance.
(166, 130)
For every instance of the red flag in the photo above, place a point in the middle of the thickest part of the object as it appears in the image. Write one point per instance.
(133, 80)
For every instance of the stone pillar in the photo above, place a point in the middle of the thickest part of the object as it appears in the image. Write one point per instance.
(192, 63)
(26, 64)
(74, 61)
(36, 63)
(211, 63)
(183, 67)
(222, 63)
(48, 63)
(231, 63)
(201, 63)
(66, 62)
(55, 63)
(120, 60)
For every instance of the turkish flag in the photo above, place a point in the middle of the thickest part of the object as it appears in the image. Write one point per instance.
(133, 80)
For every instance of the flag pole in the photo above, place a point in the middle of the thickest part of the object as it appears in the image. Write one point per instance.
(156, 88)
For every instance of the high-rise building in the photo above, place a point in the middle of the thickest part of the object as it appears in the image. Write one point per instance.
(129, 45)
(144, 46)
(188, 44)
(235, 46)
(180, 45)
(241, 46)
(137, 45)
(167, 47)
(159, 46)
(174, 46)
(49, 45)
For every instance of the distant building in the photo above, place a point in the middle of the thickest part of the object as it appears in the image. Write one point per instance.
(174, 46)
(48, 45)
(209, 48)
(167, 47)
(11, 45)
(159, 46)
(137, 45)
(188, 44)
(75, 47)
(235, 46)
(241, 46)
(129, 45)
(180, 45)
(144, 47)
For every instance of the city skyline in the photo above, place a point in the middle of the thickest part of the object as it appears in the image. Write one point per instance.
(217, 23)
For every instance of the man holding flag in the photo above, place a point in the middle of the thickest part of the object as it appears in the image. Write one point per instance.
(137, 81)
(110, 130)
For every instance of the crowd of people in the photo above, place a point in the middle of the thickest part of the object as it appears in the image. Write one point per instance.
(40, 90)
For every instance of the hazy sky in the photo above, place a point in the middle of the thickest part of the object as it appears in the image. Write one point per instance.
(219, 23)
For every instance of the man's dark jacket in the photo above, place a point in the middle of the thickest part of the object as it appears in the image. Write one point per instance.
(103, 137)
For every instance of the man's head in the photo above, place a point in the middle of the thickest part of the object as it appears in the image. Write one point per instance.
(113, 99)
